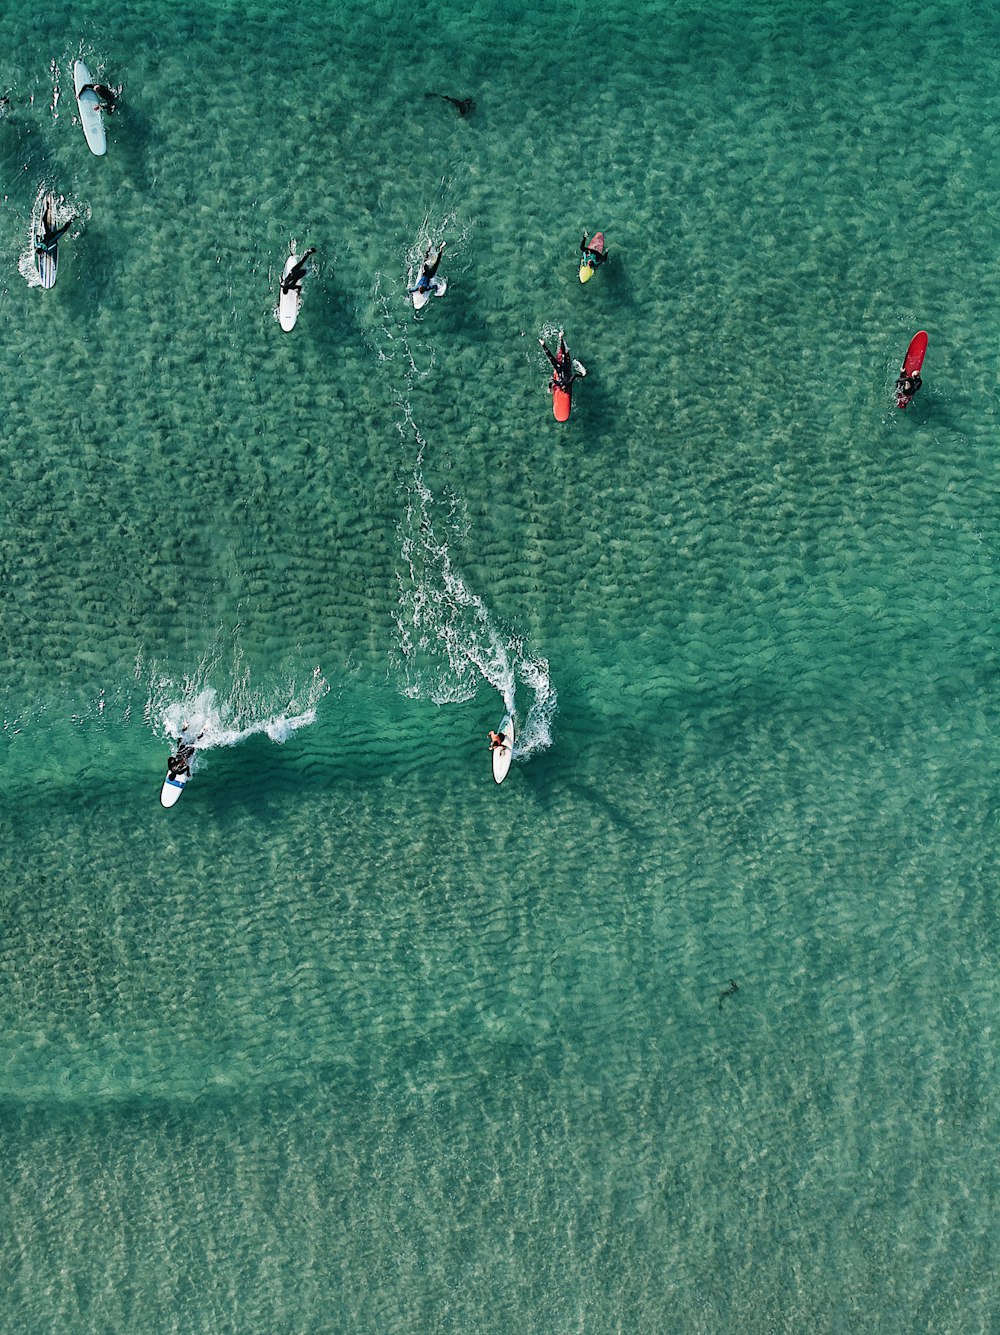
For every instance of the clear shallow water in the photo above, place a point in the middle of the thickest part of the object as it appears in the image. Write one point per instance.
(351, 1039)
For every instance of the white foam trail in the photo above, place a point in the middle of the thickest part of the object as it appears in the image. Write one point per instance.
(449, 642)
(241, 711)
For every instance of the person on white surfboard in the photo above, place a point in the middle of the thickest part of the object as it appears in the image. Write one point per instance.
(292, 281)
(179, 764)
(501, 749)
(48, 233)
(425, 280)
(107, 98)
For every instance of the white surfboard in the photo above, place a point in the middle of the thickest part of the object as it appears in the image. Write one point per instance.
(47, 261)
(171, 791)
(289, 302)
(502, 755)
(172, 788)
(90, 110)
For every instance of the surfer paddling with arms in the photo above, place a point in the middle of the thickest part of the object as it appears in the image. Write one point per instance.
(564, 370)
(292, 280)
(906, 386)
(909, 373)
(502, 749)
(49, 234)
(427, 270)
(179, 765)
(593, 257)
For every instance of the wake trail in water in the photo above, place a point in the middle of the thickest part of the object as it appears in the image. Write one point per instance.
(227, 715)
(448, 639)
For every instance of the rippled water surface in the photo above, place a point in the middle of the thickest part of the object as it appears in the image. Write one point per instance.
(689, 1025)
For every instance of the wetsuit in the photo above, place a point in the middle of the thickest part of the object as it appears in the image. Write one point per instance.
(295, 275)
(428, 271)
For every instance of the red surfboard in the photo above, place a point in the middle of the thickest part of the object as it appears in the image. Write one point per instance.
(562, 401)
(912, 363)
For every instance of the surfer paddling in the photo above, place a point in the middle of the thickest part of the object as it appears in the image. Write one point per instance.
(428, 269)
(49, 233)
(909, 373)
(591, 257)
(179, 764)
(292, 280)
(906, 386)
(564, 371)
(502, 749)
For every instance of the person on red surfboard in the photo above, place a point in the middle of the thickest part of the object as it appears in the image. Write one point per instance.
(564, 372)
(909, 373)
(592, 258)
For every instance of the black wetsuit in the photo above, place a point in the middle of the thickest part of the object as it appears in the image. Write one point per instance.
(296, 274)
(180, 763)
(48, 240)
(562, 366)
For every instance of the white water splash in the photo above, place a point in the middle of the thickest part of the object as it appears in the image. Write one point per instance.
(228, 715)
(449, 642)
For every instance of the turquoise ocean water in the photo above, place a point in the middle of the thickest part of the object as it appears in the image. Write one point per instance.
(352, 1039)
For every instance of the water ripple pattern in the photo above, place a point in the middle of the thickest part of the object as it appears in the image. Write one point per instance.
(691, 1026)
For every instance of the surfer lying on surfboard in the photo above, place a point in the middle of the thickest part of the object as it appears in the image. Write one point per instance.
(906, 386)
(46, 240)
(564, 369)
(107, 98)
(498, 740)
(181, 762)
(427, 270)
(591, 257)
(292, 281)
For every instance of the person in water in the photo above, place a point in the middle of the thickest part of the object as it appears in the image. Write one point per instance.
(107, 98)
(907, 385)
(592, 257)
(428, 269)
(563, 373)
(180, 763)
(46, 243)
(292, 281)
(498, 740)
